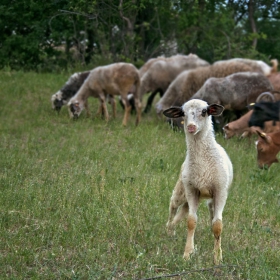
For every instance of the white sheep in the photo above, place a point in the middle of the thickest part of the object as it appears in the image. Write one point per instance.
(205, 174)
(109, 80)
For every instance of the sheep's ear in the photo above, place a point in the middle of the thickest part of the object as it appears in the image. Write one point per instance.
(215, 110)
(174, 112)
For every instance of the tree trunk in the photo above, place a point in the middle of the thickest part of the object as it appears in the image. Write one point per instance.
(252, 21)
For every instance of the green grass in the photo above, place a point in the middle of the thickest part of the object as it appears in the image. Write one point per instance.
(88, 199)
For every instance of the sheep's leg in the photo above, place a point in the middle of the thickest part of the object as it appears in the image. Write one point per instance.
(193, 200)
(178, 198)
(87, 108)
(138, 109)
(113, 104)
(103, 106)
(150, 101)
(127, 109)
(217, 225)
(99, 112)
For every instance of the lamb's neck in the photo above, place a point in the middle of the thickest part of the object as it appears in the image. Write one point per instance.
(200, 142)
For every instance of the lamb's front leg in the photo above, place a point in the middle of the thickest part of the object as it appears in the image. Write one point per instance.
(219, 202)
(193, 200)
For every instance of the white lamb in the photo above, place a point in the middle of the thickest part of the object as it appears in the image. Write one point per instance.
(205, 174)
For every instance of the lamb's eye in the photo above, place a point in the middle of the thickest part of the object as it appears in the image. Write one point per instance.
(203, 112)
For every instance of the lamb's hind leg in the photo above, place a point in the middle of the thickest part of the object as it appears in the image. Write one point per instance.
(177, 199)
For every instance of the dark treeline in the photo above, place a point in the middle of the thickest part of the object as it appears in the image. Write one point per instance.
(51, 35)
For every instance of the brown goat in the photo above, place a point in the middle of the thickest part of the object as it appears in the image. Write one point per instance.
(268, 146)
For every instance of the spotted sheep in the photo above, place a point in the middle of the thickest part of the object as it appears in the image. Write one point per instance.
(206, 173)
(73, 84)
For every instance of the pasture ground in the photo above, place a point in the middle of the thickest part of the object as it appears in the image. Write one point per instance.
(88, 199)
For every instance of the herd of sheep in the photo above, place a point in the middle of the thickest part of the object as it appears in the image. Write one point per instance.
(192, 92)
(233, 83)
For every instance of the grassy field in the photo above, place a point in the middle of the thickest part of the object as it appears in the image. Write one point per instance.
(88, 199)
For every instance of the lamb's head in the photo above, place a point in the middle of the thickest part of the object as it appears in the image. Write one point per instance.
(75, 108)
(196, 113)
(57, 101)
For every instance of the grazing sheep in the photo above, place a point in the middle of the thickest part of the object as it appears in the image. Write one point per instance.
(256, 65)
(68, 90)
(205, 174)
(234, 92)
(113, 79)
(189, 82)
(148, 64)
(160, 72)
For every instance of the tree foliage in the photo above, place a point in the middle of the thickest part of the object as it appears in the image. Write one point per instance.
(59, 33)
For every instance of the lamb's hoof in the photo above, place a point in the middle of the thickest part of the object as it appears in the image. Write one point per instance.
(170, 230)
(218, 259)
(188, 253)
(187, 256)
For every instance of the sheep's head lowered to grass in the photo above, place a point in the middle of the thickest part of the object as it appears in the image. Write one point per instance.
(57, 101)
(75, 109)
(73, 84)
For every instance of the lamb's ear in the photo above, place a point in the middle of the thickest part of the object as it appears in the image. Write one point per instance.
(174, 112)
(215, 110)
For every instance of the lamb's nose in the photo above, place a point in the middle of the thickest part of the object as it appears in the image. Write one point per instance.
(191, 128)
